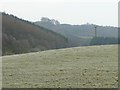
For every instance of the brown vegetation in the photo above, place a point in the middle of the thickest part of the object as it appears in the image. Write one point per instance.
(20, 36)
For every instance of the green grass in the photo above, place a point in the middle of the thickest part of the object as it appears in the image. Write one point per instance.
(80, 67)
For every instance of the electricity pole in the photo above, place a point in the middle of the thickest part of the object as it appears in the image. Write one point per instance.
(95, 31)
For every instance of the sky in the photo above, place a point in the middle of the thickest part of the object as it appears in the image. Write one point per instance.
(77, 12)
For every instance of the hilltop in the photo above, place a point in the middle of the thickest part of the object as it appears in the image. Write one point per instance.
(82, 35)
(22, 36)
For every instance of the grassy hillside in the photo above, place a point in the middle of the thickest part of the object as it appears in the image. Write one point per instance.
(92, 66)
(21, 36)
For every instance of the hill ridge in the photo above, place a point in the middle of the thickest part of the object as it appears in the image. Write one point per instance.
(23, 36)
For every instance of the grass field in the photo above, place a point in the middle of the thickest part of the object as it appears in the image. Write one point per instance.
(79, 67)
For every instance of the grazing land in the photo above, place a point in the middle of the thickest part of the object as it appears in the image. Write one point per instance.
(79, 67)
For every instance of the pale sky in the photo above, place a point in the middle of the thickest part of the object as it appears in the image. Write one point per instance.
(101, 12)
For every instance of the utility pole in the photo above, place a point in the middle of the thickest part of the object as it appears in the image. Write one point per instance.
(95, 31)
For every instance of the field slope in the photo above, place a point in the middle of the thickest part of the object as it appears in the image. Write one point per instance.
(79, 67)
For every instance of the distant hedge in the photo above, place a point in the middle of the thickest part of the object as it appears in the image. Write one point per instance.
(103, 41)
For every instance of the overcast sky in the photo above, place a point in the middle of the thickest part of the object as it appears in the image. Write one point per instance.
(101, 12)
